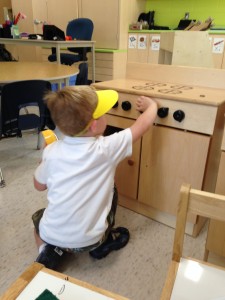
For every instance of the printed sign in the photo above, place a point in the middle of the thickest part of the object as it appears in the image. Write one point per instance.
(132, 41)
(218, 45)
(142, 42)
(155, 43)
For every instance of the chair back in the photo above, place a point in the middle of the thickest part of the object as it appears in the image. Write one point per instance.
(80, 29)
(201, 203)
(22, 94)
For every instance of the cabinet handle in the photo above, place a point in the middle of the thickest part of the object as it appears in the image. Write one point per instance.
(130, 162)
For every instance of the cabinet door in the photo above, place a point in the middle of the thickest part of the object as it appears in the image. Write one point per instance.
(39, 14)
(126, 178)
(105, 16)
(127, 172)
(169, 158)
(4, 3)
(61, 12)
(26, 53)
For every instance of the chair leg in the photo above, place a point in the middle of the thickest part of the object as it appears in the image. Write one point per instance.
(39, 141)
(2, 181)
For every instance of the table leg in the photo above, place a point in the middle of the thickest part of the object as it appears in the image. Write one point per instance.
(58, 54)
(67, 81)
(93, 63)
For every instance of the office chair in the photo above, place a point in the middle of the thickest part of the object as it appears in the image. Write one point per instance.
(79, 29)
(16, 116)
(82, 76)
(189, 278)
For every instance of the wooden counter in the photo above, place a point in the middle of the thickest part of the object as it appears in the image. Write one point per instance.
(173, 151)
(216, 233)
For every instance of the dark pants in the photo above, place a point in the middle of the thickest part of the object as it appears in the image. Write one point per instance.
(36, 217)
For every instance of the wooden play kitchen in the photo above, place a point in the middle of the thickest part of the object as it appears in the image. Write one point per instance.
(184, 143)
(215, 242)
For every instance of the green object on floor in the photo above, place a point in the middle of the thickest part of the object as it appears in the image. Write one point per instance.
(46, 295)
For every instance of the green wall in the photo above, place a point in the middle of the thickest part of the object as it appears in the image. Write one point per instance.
(169, 12)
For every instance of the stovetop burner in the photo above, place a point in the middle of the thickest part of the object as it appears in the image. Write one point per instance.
(158, 87)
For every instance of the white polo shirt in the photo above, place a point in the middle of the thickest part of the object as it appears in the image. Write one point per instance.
(79, 173)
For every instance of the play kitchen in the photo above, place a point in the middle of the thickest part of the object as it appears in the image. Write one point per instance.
(182, 146)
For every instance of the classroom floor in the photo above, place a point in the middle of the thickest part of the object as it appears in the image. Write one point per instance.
(137, 271)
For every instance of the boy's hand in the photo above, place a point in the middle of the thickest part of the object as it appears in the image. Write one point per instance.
(143, 103)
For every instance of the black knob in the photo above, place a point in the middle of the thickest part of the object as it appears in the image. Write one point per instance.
(126, 105)
(116, 104)
(179, 115)
(163, 112)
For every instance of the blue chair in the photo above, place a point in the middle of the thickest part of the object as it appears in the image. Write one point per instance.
(79, 29)
(17, 97)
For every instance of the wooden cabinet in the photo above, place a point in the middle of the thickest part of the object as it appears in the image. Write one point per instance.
(128, 169)
(109, 64)
(55, 12)
(170, 48)
(169, 158)
(185, 48)
(60, 12)
(24, 53)
(143, 48)
(111, 20)
(105, 15)
(7, 4)
(174, 150)
(216, 233)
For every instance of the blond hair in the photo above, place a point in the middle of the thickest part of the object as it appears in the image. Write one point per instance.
(72, 108)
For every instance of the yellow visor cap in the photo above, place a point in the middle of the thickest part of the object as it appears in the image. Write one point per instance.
(106, 100)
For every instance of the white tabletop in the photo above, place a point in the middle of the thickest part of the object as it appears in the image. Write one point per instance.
(57, 44)
(198, 281)
(16, 71)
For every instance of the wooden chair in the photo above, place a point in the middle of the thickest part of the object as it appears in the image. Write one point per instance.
(205, 276)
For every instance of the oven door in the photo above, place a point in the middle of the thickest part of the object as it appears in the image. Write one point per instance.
(169, 158)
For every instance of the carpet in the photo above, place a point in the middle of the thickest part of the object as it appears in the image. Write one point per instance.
(137, 271)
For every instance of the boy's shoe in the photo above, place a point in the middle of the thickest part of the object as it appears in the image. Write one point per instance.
(117, 239)
(50, 256)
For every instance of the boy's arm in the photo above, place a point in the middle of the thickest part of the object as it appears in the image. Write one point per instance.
(39, 186)
(148, 107)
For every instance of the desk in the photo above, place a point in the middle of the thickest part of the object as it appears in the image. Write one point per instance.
(20, 284)
(16, 71)
(57, 44)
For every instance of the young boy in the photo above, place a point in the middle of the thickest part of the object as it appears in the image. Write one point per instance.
(78, 172)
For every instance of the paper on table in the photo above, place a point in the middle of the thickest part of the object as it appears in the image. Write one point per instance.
(62, 289)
